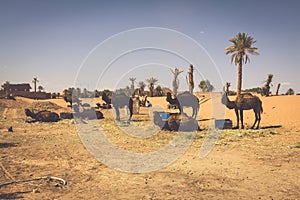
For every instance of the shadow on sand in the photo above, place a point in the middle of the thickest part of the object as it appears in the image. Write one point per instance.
(13, 195)
(7, 145)
(202, 120)
(267, 127)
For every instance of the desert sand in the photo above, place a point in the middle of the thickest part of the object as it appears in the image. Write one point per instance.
(244, 164)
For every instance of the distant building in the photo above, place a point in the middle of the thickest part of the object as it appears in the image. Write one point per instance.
(22, 90)
(19, 87)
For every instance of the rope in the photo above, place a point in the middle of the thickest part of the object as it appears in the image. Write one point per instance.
(35, 179)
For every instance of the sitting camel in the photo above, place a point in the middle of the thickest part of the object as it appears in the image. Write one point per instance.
(43, 116)
(185, 99)
(176, 122)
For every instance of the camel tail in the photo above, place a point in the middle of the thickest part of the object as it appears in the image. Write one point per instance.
(261, 108)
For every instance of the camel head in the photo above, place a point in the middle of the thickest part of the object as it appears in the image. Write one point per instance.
(29, 113)
(169, 95)
(225, 100)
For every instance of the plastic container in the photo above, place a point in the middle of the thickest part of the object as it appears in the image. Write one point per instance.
(223, 123)
(164, 115)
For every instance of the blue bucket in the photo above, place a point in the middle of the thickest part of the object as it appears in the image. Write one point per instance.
(164, 115)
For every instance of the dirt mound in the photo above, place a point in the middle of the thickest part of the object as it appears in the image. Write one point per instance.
(47, 105)
(13, 104)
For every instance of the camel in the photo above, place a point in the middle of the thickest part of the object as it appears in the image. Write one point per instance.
(89, 114)
(245, 101)
(66, 115)
(106, 99)
(43, 116)
(121, 100)
(176, 122)
(185, 99)
(71, 100)
(107, 104)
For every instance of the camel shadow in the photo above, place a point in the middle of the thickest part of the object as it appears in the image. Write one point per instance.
(274, 126)
(13, 195)
(203, 120)
(7, 145)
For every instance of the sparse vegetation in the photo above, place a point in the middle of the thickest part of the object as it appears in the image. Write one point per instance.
(297, 145)
(266, 88)
(257, 90)
(206, 86)
(290, 91)
(151, 81)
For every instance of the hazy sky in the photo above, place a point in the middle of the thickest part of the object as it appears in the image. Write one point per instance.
(51, 40)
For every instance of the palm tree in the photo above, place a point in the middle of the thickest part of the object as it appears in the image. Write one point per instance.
(240, 50)
(141, 86)
(34, 81)
(151, 81)
(132, 85)
(175, 82)
(277, 90)
(191, 78)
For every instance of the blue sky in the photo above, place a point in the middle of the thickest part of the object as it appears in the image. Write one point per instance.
(51, 39)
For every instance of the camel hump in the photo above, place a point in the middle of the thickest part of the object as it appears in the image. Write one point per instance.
(247, 94)
(185, 92)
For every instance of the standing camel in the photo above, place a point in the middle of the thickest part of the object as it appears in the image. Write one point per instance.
(119, 101)
(185, 99)
(245, 101)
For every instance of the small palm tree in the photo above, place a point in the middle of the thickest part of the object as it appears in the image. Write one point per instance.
(151, 81)
(242, 45)
(141, 86)
(5, 87)
(266, 88)
(132, 84)
(175, 82)
(158, 91)
(290, 91)
(206, 86)
(40, 88)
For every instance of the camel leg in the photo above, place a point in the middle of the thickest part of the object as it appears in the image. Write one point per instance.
(242, 118)
(195, 113)
(237, 119)
(180, 109)
(131, 112)
(252, 127)
(117, 114)
(256, 119)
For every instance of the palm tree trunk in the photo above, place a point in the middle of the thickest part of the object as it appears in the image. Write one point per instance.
(240, 77)
(191, 79)
(277, 90)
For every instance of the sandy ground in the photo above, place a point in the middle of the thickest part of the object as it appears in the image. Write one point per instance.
(244, 164)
